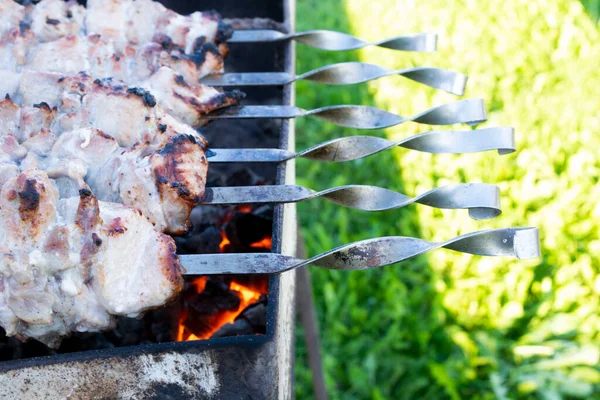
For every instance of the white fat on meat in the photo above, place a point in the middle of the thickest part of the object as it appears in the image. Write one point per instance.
(11, 15)
(54, 19)
(9, 84)
(74, 264)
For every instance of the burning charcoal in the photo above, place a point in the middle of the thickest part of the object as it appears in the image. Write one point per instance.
(132, 330)
(244, 177)
(213, 181)
(215, 297)
(203, 216)
(244, 229)
(162, 323)
(256, 314)
(259, 283)
(239, 327)
(205, 242)
(181, 242)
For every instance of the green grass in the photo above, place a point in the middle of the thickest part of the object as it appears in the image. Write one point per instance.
(593, 8)
(450, 325)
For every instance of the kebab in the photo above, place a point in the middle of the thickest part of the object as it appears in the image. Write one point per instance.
(146, 45)
(73, 264)
(139, 156)
(53, 37)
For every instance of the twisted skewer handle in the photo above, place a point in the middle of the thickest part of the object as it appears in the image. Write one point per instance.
(470, 111)
(522, 243)
(481, 199)
(348, 73)
(337, 41)
(356, 147)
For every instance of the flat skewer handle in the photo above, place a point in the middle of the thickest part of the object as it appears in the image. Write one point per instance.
(351, 148)
(469, 111)
(337, 41)
(348, 73)
(481, 199)
(522, 243)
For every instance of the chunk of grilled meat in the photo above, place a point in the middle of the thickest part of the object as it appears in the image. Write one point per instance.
(103, 45)
(74, 264)
(162, 180)
(53, 19)
(115, 139)
(125, 21)
(142, 21)
(163, 77)
(11, 15)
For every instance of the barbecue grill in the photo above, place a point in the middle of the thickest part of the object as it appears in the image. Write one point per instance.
(260, 366)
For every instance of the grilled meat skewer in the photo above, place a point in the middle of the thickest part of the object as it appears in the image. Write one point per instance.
(74, 264)
(126, 21)
(113, 138)
(162, 63)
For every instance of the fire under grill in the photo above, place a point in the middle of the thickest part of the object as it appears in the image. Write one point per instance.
(230, 332)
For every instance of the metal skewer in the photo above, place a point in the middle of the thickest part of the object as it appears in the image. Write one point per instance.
(355, 147)
(521, 243)
(348, 73)
(470, 111)
(337, 41)
(481, 199)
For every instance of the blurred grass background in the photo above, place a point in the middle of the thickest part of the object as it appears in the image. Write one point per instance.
(448, 325)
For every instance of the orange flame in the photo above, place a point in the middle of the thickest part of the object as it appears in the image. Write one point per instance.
(266, 243)
(247, 295)
(224, 242)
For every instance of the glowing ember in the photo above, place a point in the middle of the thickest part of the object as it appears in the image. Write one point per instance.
(247, 297)
(245, 208)
(199, 284)
(224, 242)
(248, 294)
(266, 243)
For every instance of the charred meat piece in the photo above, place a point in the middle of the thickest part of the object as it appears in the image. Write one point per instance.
(165, 181)
(74, 264)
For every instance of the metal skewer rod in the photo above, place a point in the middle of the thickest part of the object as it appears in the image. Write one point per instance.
(522, 243)
(481, 199)
(470, 111)
(337, 41)
(348, 73)
(351, 148)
